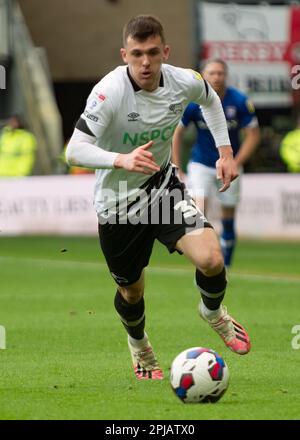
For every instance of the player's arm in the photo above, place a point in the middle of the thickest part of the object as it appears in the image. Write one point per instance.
(226, 168)
(189, 115)
(177, 143)
(248, 122)
(82, 151)
(213, 114)
(249, 145)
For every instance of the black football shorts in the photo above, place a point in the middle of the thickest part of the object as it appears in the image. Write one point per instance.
(127, 247)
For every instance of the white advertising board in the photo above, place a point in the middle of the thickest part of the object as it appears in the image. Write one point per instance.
(269, 207)
(47, 205)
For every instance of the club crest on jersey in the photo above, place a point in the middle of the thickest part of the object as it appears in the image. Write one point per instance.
(92, 105)
(196, 75)
(230, 111)
(250, 106)
(133, 116)
(176, 108)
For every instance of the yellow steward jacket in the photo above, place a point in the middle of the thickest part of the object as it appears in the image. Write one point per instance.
(17, 152)
(290, 150)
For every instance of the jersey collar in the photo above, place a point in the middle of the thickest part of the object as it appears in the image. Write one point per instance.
(136, 87)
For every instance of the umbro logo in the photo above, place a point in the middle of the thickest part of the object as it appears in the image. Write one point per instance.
(176, 108)
(133, 116)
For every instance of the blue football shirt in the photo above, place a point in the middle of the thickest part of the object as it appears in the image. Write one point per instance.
(239, 113)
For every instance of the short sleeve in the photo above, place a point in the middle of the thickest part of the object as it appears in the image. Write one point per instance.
(200, 90)
(98, 112)
(247, 116)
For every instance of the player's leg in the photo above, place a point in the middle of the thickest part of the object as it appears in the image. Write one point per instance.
(228, 234)
(203, 250)
(193, 236)
(130, 306)
(229, 201)
(127, 249)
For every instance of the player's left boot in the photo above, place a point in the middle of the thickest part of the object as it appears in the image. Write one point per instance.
(145, 364)
(233, 334)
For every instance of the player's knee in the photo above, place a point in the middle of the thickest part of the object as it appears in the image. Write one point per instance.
(132, 294)
(213, 262)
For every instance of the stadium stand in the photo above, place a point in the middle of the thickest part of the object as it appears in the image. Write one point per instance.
(29, 87)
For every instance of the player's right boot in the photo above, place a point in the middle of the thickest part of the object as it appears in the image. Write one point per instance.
(233, 334)
(145, 364)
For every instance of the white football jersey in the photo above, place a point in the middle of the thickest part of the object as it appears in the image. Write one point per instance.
(123, 117)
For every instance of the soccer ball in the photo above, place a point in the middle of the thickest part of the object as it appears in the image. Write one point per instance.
(199, 375)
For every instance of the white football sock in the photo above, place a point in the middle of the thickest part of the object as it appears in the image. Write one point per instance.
(210, 314)
(138, 343)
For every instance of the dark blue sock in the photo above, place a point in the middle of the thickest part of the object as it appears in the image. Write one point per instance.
(228, 239)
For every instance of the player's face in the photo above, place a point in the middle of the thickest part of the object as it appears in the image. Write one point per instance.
(144, 59)
(215, 74)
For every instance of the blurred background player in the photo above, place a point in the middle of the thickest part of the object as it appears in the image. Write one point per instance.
(17, 149)
(244, 136)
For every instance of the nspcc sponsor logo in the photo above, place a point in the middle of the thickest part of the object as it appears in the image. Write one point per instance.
(136, 139)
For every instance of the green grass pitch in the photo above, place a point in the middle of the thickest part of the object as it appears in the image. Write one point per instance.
(67, 356)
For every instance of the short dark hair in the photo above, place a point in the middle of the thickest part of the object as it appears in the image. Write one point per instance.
(142, 27)
(208, 61)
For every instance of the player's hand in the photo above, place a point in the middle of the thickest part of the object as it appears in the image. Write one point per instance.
(226, 167)
(139, 160)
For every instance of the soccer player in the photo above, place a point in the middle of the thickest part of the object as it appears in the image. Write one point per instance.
(125, 133)
(201, 179)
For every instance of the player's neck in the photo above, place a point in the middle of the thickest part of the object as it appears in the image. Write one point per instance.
(158, 82)
(151, 87)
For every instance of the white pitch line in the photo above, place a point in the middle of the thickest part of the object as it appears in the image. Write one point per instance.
(176, 270)
(285, 278)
